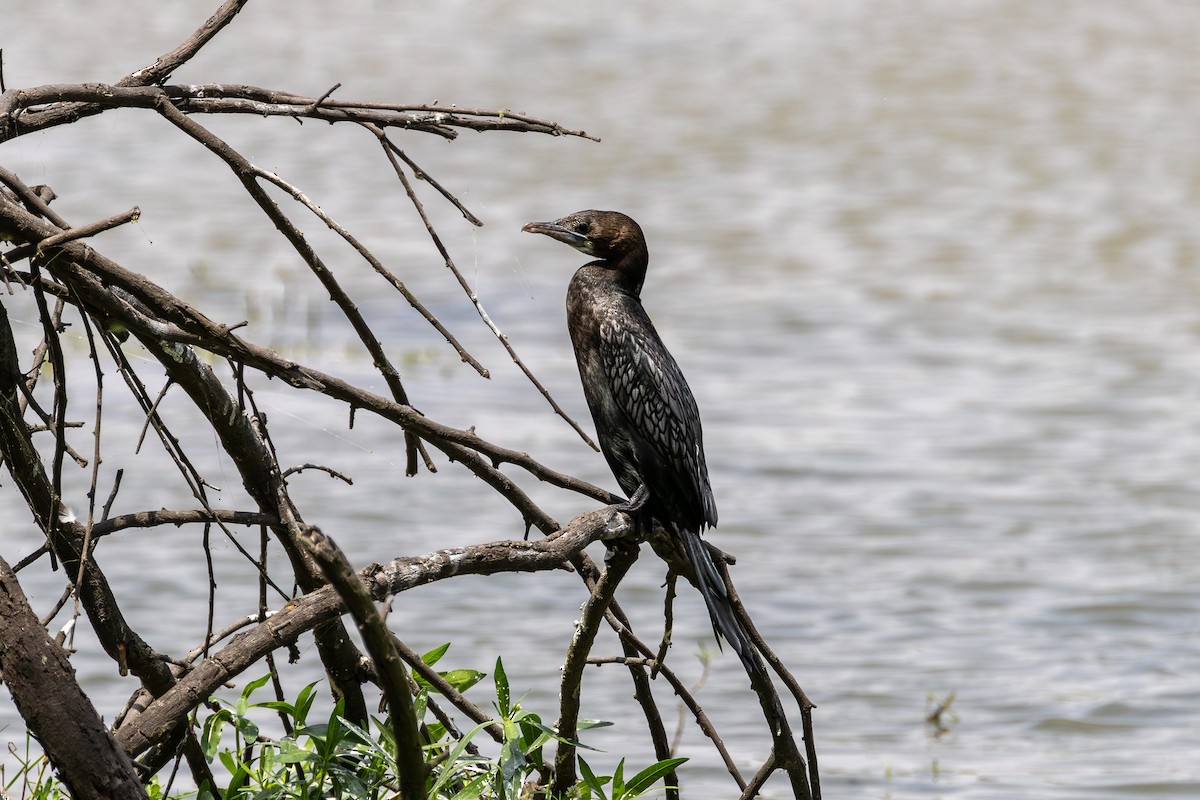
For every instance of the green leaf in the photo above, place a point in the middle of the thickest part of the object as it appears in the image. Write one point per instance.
(588, 724)
(447, 771)
(318, 730)
(463, 679)
(251, 687)
(502, 695)
(304, 703)
(533, 738)
(292, 753)
(247, 729)
(618, 779)
(420, 704)
(549, 733)
(474, 789)
(460, 679)
(593, 783)
(436, 731)
(298, 711)
(512, 762)
(210, 737)
(228, 760)
(536, 736)
(435, 655)
(386, 737)
(367, 742)
(641, 782)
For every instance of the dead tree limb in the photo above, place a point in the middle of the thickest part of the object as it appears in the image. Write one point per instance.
(299, 616)
(35, 668)
(55, 268)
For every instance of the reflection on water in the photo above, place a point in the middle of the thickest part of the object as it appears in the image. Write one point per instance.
(931, 269)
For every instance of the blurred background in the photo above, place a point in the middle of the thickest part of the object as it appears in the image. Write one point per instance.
(930, 267)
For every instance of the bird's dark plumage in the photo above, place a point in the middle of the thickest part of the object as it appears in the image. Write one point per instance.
(646, 418)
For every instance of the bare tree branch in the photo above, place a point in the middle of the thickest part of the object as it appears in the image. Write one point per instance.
(67, 274)
(167, 63)
(393, 680)
(304, 613)
(619, 561)
(35, 668)
(35, 109)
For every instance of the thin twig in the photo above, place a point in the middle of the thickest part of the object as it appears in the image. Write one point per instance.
(84, 231)
(211, 572)
(49, 423)
(634, 646)
(805, 781)
(375, 263)
(474, 298)
(422, 175)
(163, 516)
(112, 495)
(635, 659)
(72, 234)
(241, 623)
(594, 610)
(317, 103)
(687, 698)
(264, 540)
(759, 778)
(151, 415)
(447, 690)
(32, 200)
(67, 592)
(50, 328)
(332, 472)
(167, 63)
(410, 765)
(247, 174)
(86, 547)
(668, 620)
(705, 670)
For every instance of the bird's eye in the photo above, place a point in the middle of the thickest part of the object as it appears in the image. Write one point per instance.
(582, 227)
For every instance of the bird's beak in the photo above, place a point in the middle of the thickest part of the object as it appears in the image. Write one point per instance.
(565, 235)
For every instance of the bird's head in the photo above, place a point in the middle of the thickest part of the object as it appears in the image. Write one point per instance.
(607, 235)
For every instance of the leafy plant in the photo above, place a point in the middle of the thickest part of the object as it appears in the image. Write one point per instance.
(637, 786)
(335, 759)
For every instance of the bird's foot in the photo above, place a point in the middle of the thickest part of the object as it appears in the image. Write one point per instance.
(623, 514)
(636, 503)
(627, 524)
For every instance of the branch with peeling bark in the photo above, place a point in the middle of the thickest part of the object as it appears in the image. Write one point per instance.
(31, 110)
(299, 616)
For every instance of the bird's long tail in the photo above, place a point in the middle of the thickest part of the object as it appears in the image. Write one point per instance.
(724, 619)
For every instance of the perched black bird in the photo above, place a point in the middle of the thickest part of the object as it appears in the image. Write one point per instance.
(645, 415)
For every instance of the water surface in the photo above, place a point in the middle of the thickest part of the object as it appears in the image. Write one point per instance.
(930, 267)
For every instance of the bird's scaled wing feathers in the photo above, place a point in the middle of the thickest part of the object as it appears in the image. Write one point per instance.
(650, 390)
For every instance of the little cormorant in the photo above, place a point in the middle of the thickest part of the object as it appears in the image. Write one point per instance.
(646, 418)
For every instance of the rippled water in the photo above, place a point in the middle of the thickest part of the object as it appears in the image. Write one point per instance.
(932, 271)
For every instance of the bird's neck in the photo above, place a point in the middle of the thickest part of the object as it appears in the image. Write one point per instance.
(629, 271)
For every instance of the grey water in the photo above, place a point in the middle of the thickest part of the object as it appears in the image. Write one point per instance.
(932, 269)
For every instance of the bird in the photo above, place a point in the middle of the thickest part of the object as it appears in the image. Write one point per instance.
(646, 418)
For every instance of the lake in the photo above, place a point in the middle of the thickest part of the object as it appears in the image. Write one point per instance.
(931, 268)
